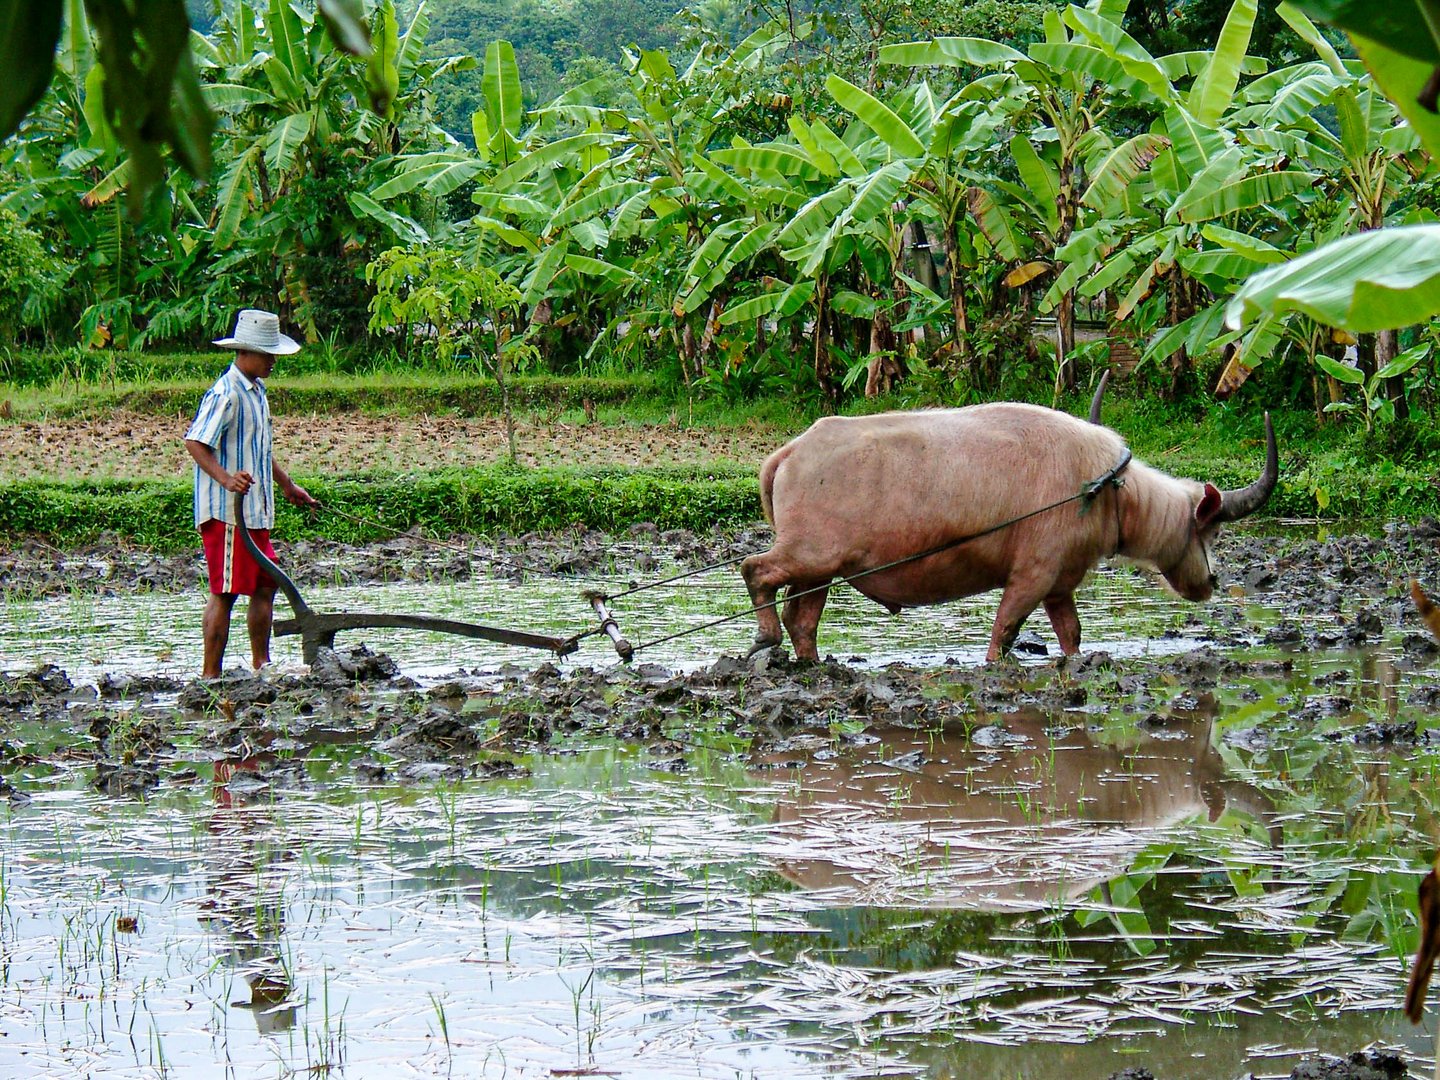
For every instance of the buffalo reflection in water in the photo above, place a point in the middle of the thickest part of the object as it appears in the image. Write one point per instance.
(911, 818)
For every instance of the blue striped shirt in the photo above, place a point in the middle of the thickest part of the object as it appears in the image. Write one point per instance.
(234, 421)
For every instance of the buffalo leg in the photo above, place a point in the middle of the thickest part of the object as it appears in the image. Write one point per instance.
(1066, 621)
(763, 580)
(1016, 604)
(802, 617)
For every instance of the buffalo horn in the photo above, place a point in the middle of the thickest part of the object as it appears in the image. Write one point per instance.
(1099, 396)
(1243, 502)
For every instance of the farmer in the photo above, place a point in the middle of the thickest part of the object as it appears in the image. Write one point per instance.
(230, 440)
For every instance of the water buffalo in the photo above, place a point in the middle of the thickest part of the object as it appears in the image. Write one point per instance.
(853, 493)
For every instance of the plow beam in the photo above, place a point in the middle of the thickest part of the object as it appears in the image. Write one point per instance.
(318, 630)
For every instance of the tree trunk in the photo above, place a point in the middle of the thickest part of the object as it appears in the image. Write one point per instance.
(687, 351)
(1365, 355)
(822, 342)
(1181, 307)
(500, 381)
(712, 324)
(1386, 349)
(922, 269)
(1065, 310)
(884, 369)
(958, 312)
(1064, 343)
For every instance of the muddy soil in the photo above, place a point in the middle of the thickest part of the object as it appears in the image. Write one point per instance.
(1341, 592)
(136, 446)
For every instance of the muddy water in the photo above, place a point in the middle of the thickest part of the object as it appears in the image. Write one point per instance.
(158, 633)
(1197, 869)
(884, 903)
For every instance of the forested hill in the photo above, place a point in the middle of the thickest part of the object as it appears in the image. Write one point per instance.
(557, 42)
(563, 43)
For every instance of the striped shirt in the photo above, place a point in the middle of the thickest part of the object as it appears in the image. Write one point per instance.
(234, 421)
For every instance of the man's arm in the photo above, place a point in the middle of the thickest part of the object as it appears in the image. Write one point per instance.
(292, 491)
(239, 482)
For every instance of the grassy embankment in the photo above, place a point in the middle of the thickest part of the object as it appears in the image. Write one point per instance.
(1334, 471)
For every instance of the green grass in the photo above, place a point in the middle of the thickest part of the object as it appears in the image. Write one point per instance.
(402, 394)
(472, 501)
(1334, 470)
(38, 369)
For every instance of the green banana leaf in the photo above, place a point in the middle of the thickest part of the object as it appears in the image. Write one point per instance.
(1380, 280)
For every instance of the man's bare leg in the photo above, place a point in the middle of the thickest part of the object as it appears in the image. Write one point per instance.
(217, 632)
(258, 620)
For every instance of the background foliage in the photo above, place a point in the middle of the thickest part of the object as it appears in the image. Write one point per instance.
(955, 203)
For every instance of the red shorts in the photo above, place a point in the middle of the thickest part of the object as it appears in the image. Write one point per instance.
(232, 568)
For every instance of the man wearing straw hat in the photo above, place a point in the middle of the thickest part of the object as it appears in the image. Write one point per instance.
(230, 440)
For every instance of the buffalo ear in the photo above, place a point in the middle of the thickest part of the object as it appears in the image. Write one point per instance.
(1211, 503)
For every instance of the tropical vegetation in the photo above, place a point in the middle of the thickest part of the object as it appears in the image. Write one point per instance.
(820, 209)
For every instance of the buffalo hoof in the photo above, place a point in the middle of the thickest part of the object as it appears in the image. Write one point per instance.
(761, 644)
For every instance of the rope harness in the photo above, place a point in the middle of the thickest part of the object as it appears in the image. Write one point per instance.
(1086, 496)
(598, 599)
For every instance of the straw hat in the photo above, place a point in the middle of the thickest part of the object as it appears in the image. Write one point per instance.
(259, 331)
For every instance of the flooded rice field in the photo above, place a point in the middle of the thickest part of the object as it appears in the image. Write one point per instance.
(1192, 852)
(156, 633)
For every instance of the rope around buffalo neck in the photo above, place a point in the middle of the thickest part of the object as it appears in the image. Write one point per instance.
(1085, 496)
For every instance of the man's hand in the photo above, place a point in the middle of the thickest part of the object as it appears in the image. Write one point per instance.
(296, 494)
(239, 482)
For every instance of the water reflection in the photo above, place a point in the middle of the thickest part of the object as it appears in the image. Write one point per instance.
(622, 921)
(244, 871)
(1016, 821)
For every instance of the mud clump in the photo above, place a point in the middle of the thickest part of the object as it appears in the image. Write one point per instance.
(122, 780)
(133, 686)
(437, 732)
(230, 691)
(1361, 1065)
(358, 665)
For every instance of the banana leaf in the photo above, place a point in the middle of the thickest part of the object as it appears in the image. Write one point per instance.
(1381, 280)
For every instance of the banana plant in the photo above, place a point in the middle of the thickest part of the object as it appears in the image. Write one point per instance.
(1276, 120)
(292, 196)
(74, 165)
(1364, 156)
(152, 93)
(1374, 400)
(945, 183)
(1172, 228)
(842, 240)
(1057, 96)
(1385, 279)
(557, 215)
(598, 210)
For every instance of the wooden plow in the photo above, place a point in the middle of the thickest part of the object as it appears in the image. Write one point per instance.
(317, 629)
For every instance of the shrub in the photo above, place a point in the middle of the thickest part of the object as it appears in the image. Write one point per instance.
(30, 277)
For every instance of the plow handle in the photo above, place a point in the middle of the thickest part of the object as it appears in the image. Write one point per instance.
(607, 623)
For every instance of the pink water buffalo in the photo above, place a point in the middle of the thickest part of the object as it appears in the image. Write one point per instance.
(853, 493)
